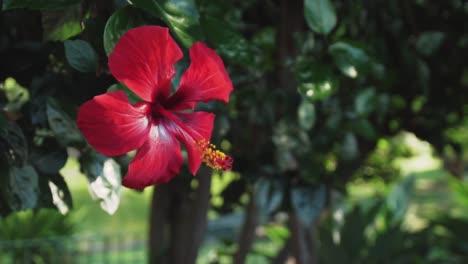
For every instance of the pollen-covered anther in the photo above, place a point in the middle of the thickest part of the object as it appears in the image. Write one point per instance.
(213, 157)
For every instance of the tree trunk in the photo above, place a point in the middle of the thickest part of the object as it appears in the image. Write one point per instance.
(303, 241)
(247, 235)
(178, 219)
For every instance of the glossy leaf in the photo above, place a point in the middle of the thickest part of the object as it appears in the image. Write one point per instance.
(119, 23)
(20, 188)
(398, 200)
(351, 60)
(428, 42)
(181, 16)
(307, 202)
(229, 43)
(49, 158)
(13, 144)
(320, 15)
(268, 194)
(306, 115)
(65, 130)
(364, 102)
(81, 55)
(61, 24)
(38, 4)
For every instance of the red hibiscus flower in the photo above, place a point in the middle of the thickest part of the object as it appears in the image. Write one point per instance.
(143, 59)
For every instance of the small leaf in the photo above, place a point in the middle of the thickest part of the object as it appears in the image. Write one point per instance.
(307, 202)
(351, 60)
(320, 15)
(16, 94)
(364, 103)
(104, 178)
(61, 24)
(181, 16)
(306, 115)
(316, 81)
(349, 147)
(398, 200)
(429, 42)
(38, 4)
(268, 194)
(364, 128)
(80, 55)
(119, 23)
(65, 130)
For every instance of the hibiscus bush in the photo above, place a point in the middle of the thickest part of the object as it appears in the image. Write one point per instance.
(283, 101)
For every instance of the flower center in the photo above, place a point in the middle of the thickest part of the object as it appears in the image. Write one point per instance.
(213, 157)
(210, 155)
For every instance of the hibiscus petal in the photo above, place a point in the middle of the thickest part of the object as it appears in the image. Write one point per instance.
(201, 125)
(143, 59)
(157, 161)
(112, 125)
(206, 79)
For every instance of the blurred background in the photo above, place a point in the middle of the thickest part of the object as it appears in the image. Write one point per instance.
(348, 126)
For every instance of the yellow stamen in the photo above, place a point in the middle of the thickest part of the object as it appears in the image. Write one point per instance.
(213, 157)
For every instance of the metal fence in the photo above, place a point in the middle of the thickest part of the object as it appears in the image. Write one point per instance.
(110, 248)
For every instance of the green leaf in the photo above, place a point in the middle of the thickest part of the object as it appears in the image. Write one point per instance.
(268, 194)
(59, 25)
(181, 16)
(307, 202)
(277, 233)
(80, 55)
(49, 158)
(349, 147)
(320, 15)
(13, 145)
(104, 178)
(38, 4)
(19, 186)
(352, 235)
(316, 81)
(16, 94)
(132, 97)
(364, 103)
(429, 42)
(306, 115)
(399, 198)
(364, 128)
(119, 23)
(229, 43)
(351, 60)
(65, 130)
